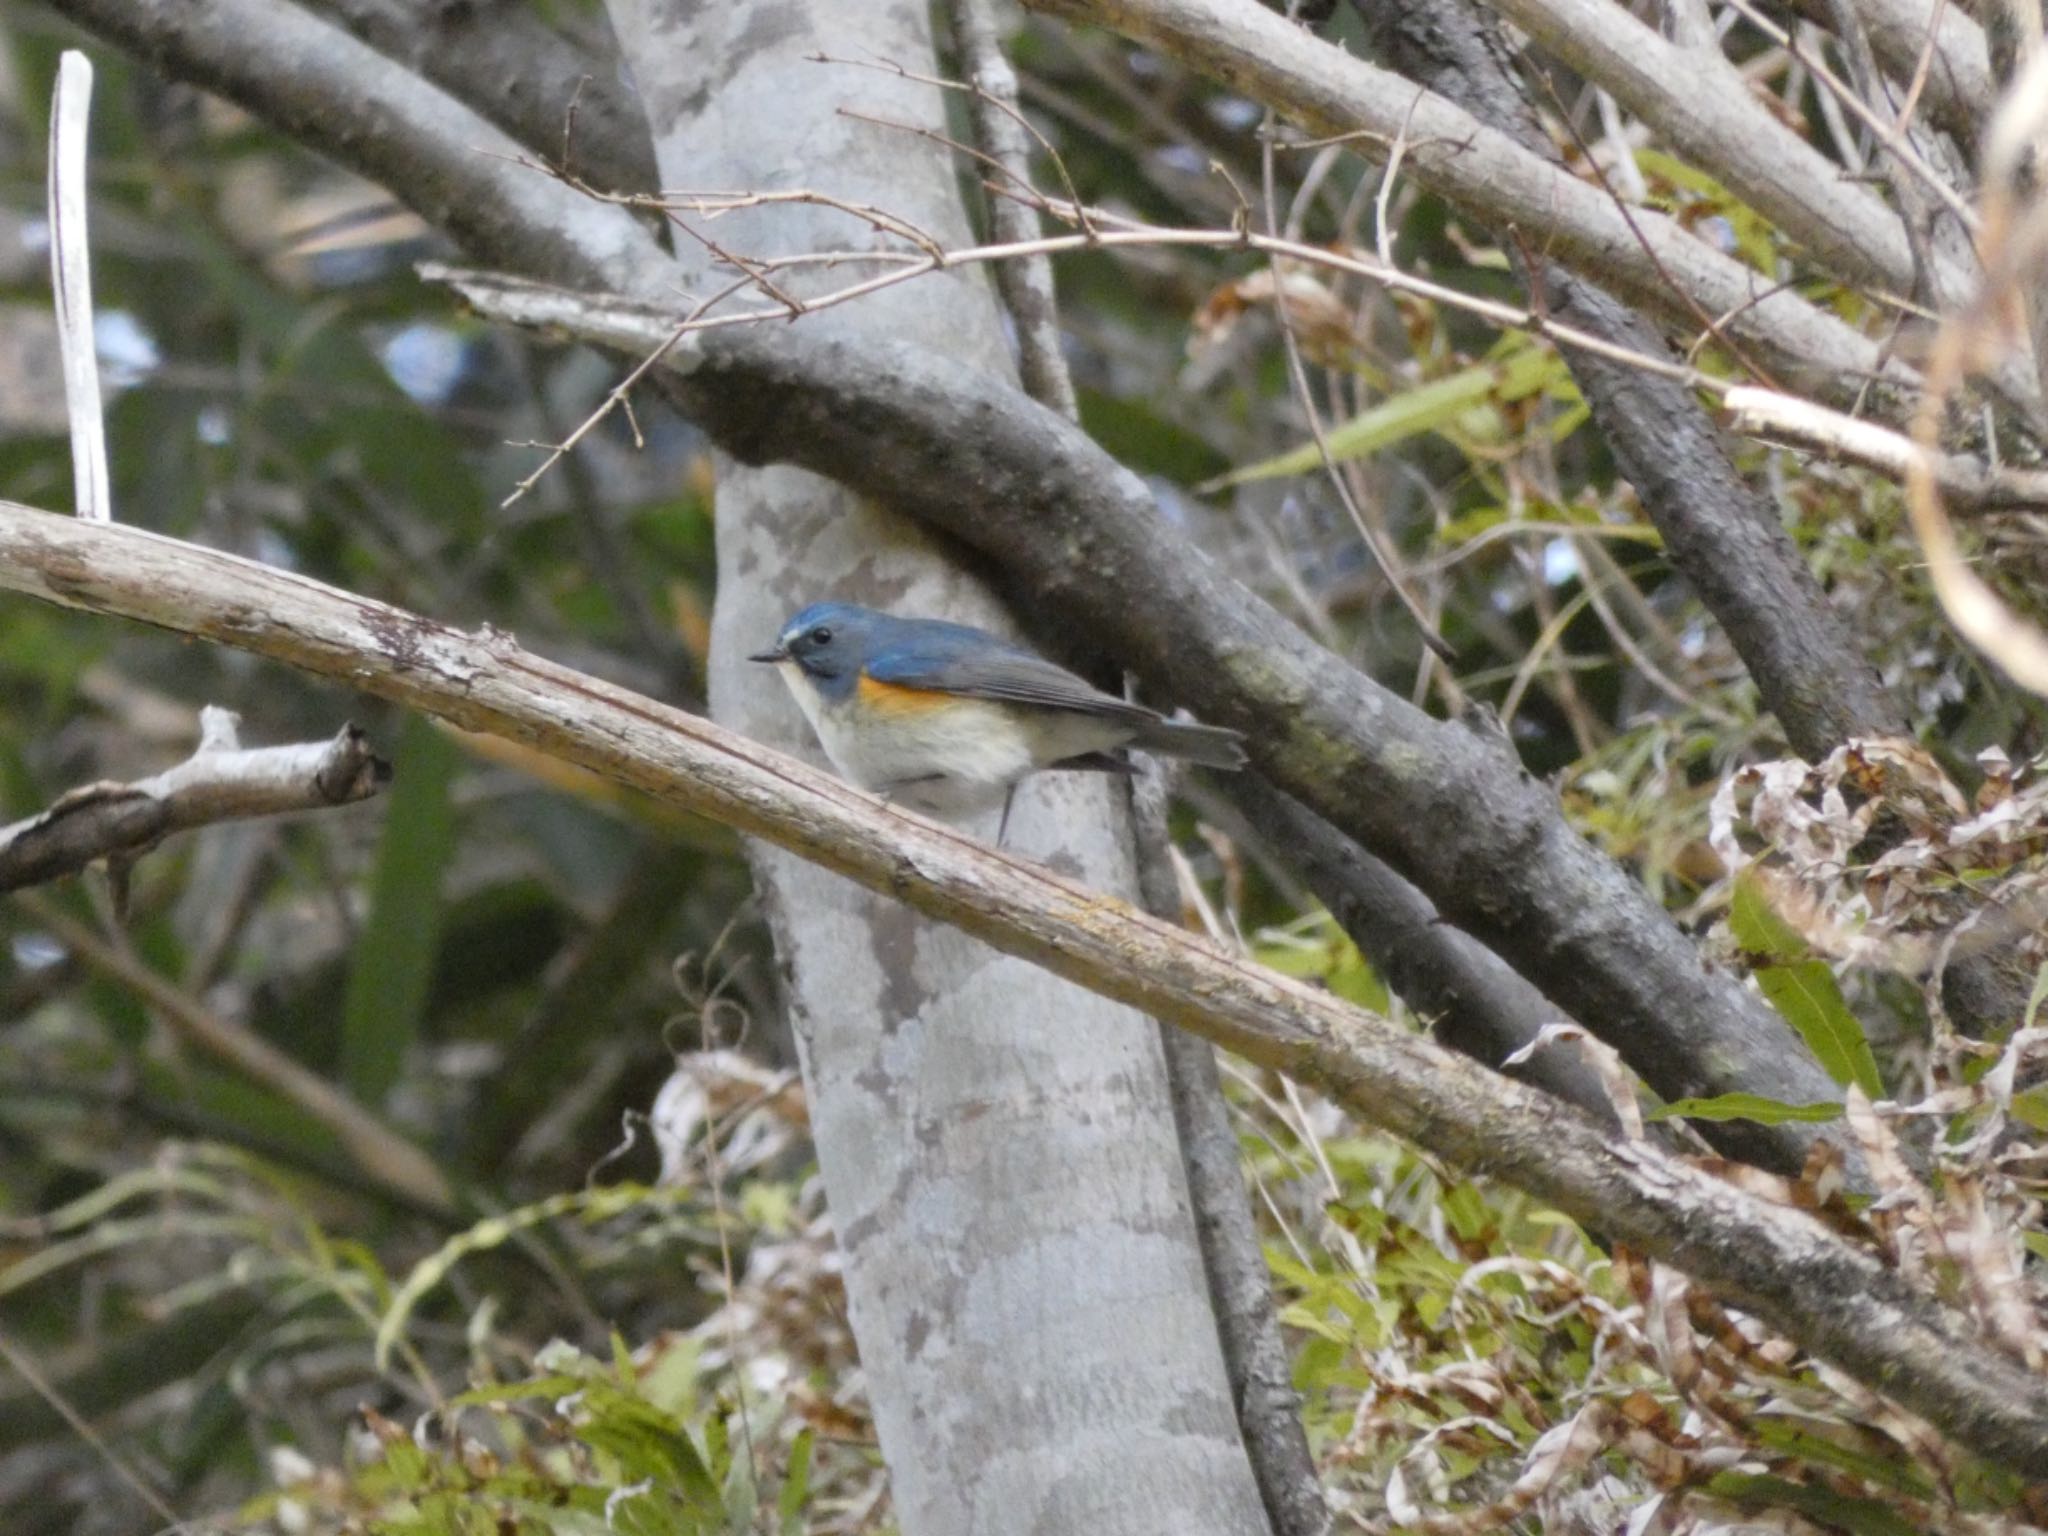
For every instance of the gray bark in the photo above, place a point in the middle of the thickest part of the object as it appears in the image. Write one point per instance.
(998, 1146)
(501, 59)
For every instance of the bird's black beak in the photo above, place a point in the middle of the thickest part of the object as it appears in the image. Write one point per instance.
(780, 653)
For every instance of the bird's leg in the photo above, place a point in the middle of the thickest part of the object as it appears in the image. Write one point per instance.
(1002, 827)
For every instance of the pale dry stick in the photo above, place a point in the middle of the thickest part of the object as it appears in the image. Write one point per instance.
(1374, 539)
(1859, 441)
(1026, 285)
(1634, 533)
(1559, 679)
(1531, 665)
(1383, 238)
(1626, 643)
(1005, 105)
(617, 396)
(221, 781)
(1798, 423)
(1923, 66)
(1848, 147)
(71, 278)
(1916, 213)
(1615, 133)
(908, 267)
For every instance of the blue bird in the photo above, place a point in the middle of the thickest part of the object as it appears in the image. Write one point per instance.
(949, 718)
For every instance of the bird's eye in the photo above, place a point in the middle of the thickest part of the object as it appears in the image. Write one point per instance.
(821, 636)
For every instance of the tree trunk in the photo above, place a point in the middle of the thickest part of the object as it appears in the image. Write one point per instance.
(998, 1146)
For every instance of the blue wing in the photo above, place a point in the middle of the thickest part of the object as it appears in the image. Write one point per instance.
(951, 658)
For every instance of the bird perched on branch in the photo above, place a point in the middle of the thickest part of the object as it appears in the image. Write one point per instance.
(949, 718)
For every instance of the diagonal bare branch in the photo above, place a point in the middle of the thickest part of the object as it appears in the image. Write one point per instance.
(1832, 1298)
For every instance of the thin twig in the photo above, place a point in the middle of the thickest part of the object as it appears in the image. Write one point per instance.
(41, 1385)
(1383, 553)
(376, 1147)
(1887, 134)
(1968, 484)
(1026, 284)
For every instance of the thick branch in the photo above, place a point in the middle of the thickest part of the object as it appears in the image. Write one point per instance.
(1475, 1003)
(221, 781)
(1447, 804)
(342, 98)
(1787, 1269)
(1025, 284)
(1700, 105)
(505, 63)
(1959, 89)
(1647, 257)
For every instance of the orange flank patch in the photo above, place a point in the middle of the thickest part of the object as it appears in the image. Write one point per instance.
(895, 699)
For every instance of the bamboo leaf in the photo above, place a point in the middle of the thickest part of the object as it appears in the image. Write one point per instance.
(1746, 1106)
(1437, 406)
(1803, 989)
(394, 956)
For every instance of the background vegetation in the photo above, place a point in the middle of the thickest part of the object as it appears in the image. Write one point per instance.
(618, 1309)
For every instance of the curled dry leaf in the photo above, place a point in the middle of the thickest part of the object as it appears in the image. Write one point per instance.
(1322, 323)
(1874, 856)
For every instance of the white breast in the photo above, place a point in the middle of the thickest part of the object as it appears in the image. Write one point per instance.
(978, 748)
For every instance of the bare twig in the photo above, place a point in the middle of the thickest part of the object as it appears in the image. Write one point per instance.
(1323, 89)
(1889, 133)
(71, 278)
(19, 1362)
(1025, 284)
(221, 781)
(1784, 1267)
(1384, 555)
(1700, 104)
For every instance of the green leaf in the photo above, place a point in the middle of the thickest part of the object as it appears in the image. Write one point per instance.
(1811, 1001)
(394, 955)
(597, 1204)
(1437, 406)
(796, 1486)
(1793, 1439)
(649, 1443)
(1762, 933)
(1802, 989)
(1746, 1106)
(518, 1391)
(1860, 1517)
